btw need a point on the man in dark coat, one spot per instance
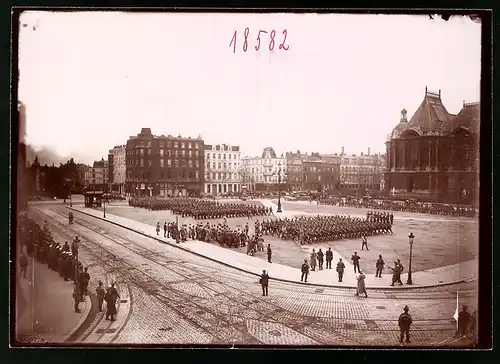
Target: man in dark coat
(269, 253)
(340, 269)
(463, 321)
(305, 271)
(165, 229)
(320, 259)
(264, 282)
(100, 292)
(110, 298)
(84, 281)
(355, 261)
(404, 323)
(379, 266)
(329, 258)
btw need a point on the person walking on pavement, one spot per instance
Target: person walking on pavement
(364, 242)
(404, 323)
(396, 273)
(77, 297)
(361, 287)
(463, 321)
(158, 228)
(329, 258)
(379, 266)
(110, 297)
(23, 263)
(313, 260)
(165, 229)
(264, 282)
(340, 269)
(269, 253)
(401, 268)
(84, 281)
(355, 261)
(305, 271)
(320, 259)
(100, 292)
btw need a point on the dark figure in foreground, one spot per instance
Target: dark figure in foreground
(111, 297)
(463, 322)
(340, 269)
(264, 282)
(404, 323)
(379, 266)
(355, 262)
(269, 253)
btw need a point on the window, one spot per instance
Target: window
(176, 153)
(213, 155)
(190, 153)
(162, 162)
(219, 156)
(162, 143)
(197, 163)
(196, 145)
(189, 145)
(142, 152)
(214, 175)
(224, 155)
(183, 145)
(183, 152)
(208, 165)
(161, 152)
(225, 166)
(213, 165)
(149, 162)
(219, 166)
(229, 156)
(169, 162)
(190, 163)
(196, 153)
(208, 155)
(176, 145)
(142, 162)
(197, 175)
(149, 151)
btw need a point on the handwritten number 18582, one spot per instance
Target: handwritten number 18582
(272, 41)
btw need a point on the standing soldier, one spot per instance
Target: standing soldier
(158, 228)
(84, 281)
(329, 258)
(463, 321)
(269, 253)
(320, 259)
(264, 282)
(355, 261)
(165, 229)
(313, 260)
(364, 242)
(401, 268)
(379, 266)
(340, 269)
(305, 271)
(404, 323)
(100, 295)
(110, 297)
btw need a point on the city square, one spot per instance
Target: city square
(197, 205)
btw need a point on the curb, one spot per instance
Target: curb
(272, 278)
(85, 316)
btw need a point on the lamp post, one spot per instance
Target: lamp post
(104, 204)
(410, 240)
(279, 188)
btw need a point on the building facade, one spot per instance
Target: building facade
(362, 172)
(435, 154)
(261, 173)
(117, 169)
(315, 172)
(164, 165)
(222, 169)
(97, 177)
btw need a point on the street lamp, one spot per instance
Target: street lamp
(279, 188)
(104, 204)
(410, 239)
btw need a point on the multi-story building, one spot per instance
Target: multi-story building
(261, 173)
(314, 172)
(117, 169)
(436, 154)
(361, 172)
(97, 177)
(222, 169)
(164, 165)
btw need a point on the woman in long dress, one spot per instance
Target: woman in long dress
(313, 260)
(361, 288)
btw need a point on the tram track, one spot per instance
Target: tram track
(146, 281)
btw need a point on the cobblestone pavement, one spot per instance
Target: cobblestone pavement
(177, 297)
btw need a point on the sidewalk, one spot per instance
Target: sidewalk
(434, 277)
(45, 312)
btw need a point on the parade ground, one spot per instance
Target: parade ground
(439, 240)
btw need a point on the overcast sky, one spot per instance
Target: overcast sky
(91, 80)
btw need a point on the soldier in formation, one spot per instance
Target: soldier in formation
(310, 230)
(201, 209)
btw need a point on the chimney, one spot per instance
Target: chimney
(342, 153)
(368, 150)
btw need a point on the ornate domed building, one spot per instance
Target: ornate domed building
(435, 154)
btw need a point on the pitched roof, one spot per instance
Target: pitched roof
(468, 118)
(431, 117)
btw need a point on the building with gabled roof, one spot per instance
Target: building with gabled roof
(436, 153)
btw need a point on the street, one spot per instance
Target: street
(179, 298)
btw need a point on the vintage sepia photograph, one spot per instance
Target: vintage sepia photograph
(246, 179)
